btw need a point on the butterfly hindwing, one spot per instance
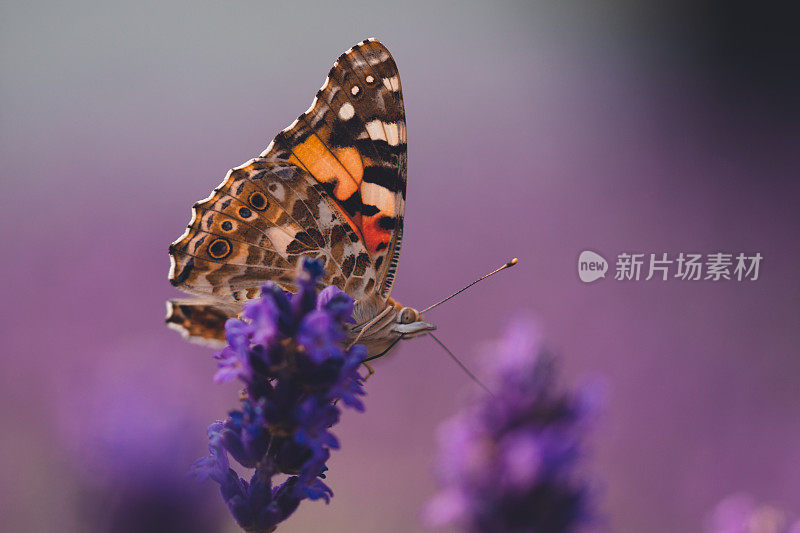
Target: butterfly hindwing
(255, 227)
(200, 319)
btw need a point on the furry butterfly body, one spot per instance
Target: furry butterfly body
(330, 186)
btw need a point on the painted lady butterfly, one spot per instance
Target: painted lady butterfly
(330, 186)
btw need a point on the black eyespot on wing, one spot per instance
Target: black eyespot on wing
(219, 248)
(227, 226)
(245, 213)
(258, 201)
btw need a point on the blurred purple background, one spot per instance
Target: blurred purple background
(534, 131)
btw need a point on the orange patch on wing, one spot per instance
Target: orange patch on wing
(355, 220)
(351, 160)
(374, 235)
(321, 163)
(343, 168)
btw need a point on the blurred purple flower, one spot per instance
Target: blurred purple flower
(739, 513)
(289, 352)
(123, 434)
(508, 463)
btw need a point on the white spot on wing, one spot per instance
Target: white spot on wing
(325, 213)
(281, 238)
(392, 134)
(346, 112)
(380, 197)
(279, 193)
(392, 84)
(370, 79)
(375, 130)
(357, 61)
(354, 90)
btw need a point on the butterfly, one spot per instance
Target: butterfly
(331, 186)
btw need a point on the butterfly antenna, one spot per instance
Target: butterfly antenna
(459, 363)
(493, 272)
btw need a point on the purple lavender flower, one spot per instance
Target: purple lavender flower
(508, 462)
(289, 352)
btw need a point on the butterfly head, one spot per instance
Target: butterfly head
(409, 323)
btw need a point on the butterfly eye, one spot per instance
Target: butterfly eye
(408, 315)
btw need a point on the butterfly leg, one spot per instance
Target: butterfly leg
(370, 370)
(368, 325)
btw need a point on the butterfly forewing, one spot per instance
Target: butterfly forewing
(353, 141)
(330, 186)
